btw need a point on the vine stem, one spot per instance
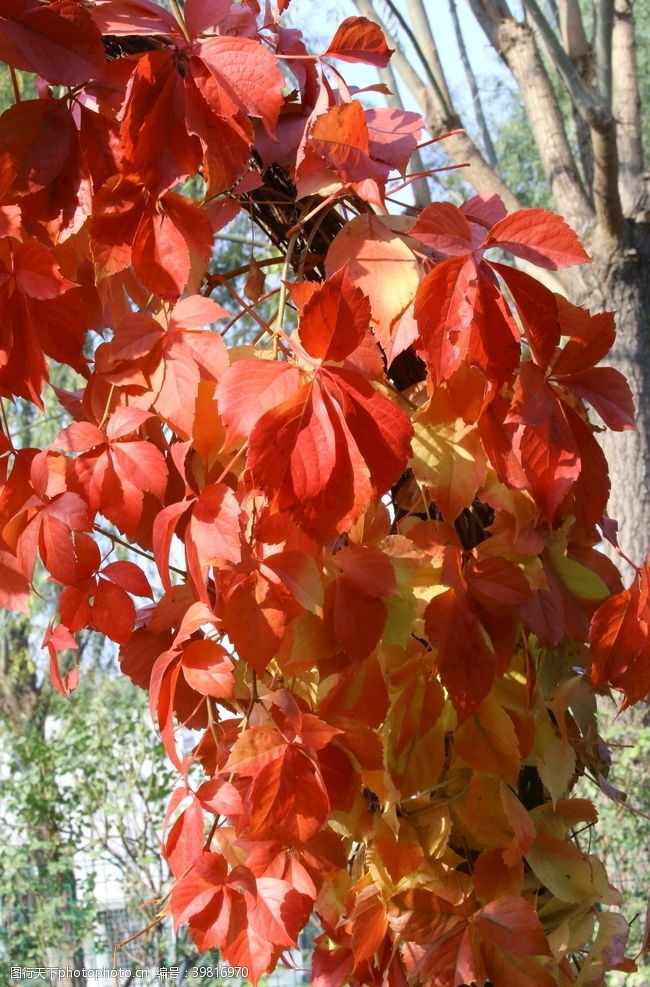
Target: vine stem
(314, 212)
(178, 14)
(232, 462)
(408, 179)
(133, 548)
(282, 300)
(216, 279)
(14, 83)
(247, 310)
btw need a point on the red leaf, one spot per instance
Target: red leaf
(335, 319)
(591, 338)
(444, 309)
(358, 619)
(380, 263)
(393, 135)
(292, 449)
(300, 574)
(465, 662)
(124, 421)
(59, 41)
(497, 584)
(248, 71)
(367, 569)
(37, 273)
(380, 429)
(214, 536)
(358, 39)
(58, 639)
(142, 465)
(195, 311)
(369, 923)
(485, 209)
(156, 105)
(171, 244)
(14, 587)
(50, 532)
(538, 309)
(512, 924)
(340, 137)
(287, 798)
(332, 967)
(539, 236)
(183, 841)
(255, 620)
(208, 669)
(113, 612)
(620, 643)
(129, 577)
(443, 227)
(280, 912)
(221, 797)
(199, 15)
(121, 17)
(164, 526)
(551, 460)
(606, 390)
(250, 388)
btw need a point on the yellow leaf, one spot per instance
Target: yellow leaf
(580, 581)
(380, 263)
(450, 460)
(568, 874)
(487, 742)
(555, 758)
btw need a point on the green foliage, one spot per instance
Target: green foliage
(81, 779)
(622, 838)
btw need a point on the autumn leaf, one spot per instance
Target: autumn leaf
(359, 40)
(58, 41)
(335, 319)
(540, 237)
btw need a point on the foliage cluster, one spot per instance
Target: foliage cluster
(380, 607)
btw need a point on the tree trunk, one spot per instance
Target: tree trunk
(625, 281)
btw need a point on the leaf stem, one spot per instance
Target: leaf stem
(178, 14)
(132, 548)
(14, 83)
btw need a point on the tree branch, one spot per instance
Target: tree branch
(572, 29)
(428, 70)
(488, 146)
(421, 195)
(515, 43)
(626, 106)
(422, 26)
(441, 117)
(579, 50)
(603, 46)
(607, 202)
(593, 112)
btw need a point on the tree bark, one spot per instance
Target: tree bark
(625, 280)
(626, 106)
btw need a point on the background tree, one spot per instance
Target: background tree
(582, 87)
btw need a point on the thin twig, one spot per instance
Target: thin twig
(14, 83)
(133, 548)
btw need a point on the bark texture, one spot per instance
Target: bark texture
(625, 281)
